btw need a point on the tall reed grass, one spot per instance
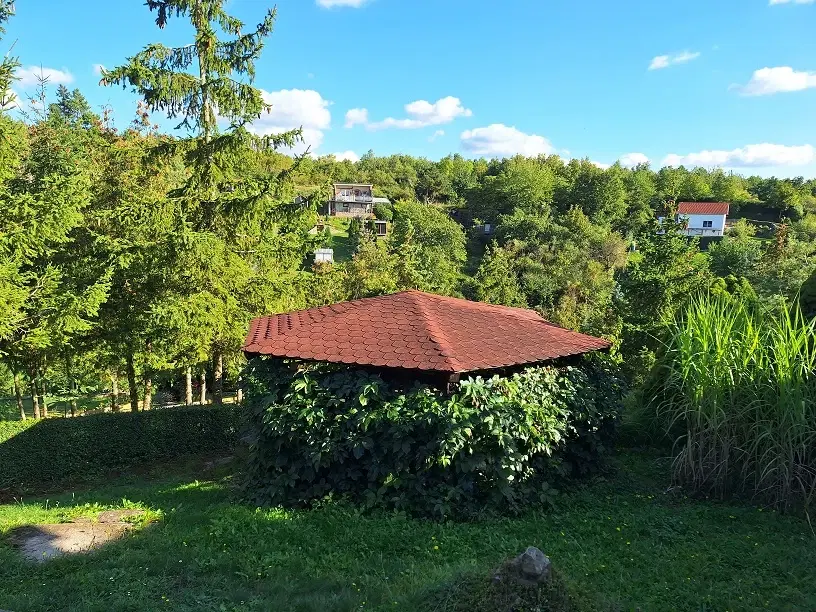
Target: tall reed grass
(738, 389)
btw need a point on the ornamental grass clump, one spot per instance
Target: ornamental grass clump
(738, 388)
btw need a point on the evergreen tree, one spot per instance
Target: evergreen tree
(234, 235)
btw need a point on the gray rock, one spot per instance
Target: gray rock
(532, 566)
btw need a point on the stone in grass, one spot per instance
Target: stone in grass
(530, 568)
(526, 583)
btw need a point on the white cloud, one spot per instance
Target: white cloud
(772, 2)
(436, 134)
(423, 113)
(630, 160)
(501, 140)
(356, 116)
(600, 165)
(295, 108)
(347, 155)
(664, 61)
(98, 68)
(30, 77)
(767, 81)
(750, 156)
(334, 3)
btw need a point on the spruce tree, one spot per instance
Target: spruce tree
(234, 236)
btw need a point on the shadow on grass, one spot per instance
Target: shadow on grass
(621, 538)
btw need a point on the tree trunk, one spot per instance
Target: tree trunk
(18, 394)
(203, 386)
(35, 402)
(43, 394)
(114, 405)
(148, 393)
(72, 387)
(218, 379)
(239, 396)
(188, 386)
(134, 390)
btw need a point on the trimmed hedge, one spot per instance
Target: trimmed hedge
(53, 450)
(500, 444)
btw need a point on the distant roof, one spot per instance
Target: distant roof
(353, 185)
(418, 331)
(381, 200)
(703, 208)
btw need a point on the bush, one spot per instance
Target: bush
(497, 444)
(384, 212)
(736, 389)
(53, 450)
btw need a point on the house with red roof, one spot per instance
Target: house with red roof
(703, 218)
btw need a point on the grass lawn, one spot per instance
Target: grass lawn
(623, 539)
(340, 239)
(10, 412)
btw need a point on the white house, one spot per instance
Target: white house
(703, 218)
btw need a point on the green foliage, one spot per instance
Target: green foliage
(384, 212)
(497, 444)
(668, 270)
(807, 297)
(738, 387)
(55, 450)
(440, 245)
(497, 279)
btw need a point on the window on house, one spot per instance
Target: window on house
(708, 223)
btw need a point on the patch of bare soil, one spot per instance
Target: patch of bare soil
(40, 543)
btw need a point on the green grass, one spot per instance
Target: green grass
(341, 243)
(10, 412)
(623, 540)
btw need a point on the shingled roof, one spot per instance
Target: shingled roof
(703, 208)
(418, 331)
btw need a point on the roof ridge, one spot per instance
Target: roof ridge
(435, 333)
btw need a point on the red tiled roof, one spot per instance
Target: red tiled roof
(703, 208)
(416, 330)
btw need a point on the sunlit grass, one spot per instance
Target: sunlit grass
(625, 540)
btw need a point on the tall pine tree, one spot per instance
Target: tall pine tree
(236, 240)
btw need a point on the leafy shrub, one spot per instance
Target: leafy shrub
(52, 450)
(736, 389)
(383, 211)
(496, 444)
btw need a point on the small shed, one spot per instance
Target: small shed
(324, 256)
(420, 334)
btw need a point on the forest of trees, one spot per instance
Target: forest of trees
(133, 260)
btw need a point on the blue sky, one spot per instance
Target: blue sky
(729, 83)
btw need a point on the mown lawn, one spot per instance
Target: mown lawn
(624, 540)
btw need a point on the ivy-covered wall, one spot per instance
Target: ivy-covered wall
(497, 444)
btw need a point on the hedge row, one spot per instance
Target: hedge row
(53, 450)
(499, 444)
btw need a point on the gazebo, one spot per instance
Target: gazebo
(418, 334)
